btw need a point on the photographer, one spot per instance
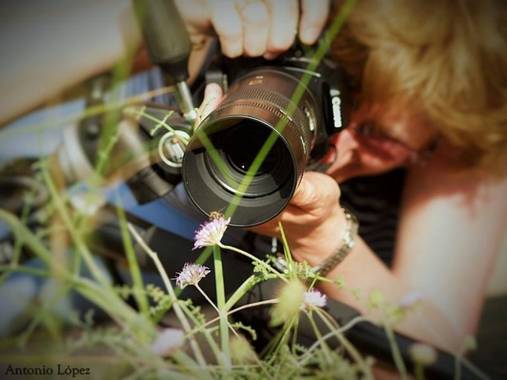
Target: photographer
(433, 101)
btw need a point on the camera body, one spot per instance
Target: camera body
(286, 108)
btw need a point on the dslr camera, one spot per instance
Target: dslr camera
(292, 103)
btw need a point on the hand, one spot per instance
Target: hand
(313, 221)
(254, 27)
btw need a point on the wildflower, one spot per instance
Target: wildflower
(314, 298)
(167, 341)
(290, 299)
(423, 354)
(410, 299)
(191, 274)
(211, 232)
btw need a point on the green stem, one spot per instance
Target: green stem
(250, 305)
(80, 245)
(329, 335)
(161, 123)
(477, 372)
(286, 248)
(135, 271)
(110, 127)
(254, 304)
(255, 259)
(284, 333)
(18, 244)
(241, 291)
(346, 344)
(321, 341)
(419, 371)
(105, 298)
(167, 282)
(199, 327)
(224, 328)
(116, 308)
(6, 269)
(457, 367)
(215, 307)
(207, 298)
(398, 360)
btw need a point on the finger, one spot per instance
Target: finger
(255, 28)
(284, 15)
(195, 15)
(212, 98)
(316, 192)
(228, 25)
(313, 18)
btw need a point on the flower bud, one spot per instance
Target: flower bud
(290, 299)
(423, 354)
(241, 351)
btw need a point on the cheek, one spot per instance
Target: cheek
(373, 163)
(354, 159)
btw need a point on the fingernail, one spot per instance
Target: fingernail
(233, 50)
(309, 35)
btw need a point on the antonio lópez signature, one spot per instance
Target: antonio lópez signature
(44, 370)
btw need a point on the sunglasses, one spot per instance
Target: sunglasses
(369, 129)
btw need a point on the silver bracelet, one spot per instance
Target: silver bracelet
(348, 242)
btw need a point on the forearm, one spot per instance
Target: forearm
(54, 45)
(363, 273)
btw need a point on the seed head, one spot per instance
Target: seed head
(191, 274)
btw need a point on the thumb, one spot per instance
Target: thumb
(316, 191)
(212, 97)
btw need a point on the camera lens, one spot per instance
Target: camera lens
(254, 111)
(237, 144)
(241, 156)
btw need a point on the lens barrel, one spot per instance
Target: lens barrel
(257, 105)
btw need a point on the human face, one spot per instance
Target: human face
(379, 139)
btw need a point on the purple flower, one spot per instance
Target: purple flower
(211, 232)
(191, 274)
(314, 298)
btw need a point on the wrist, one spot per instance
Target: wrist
(322, 241)
(348, 241)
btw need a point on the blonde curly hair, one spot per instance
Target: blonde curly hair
(447, 58)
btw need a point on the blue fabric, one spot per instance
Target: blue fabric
(158, 212)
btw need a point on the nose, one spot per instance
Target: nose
(346, 140)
